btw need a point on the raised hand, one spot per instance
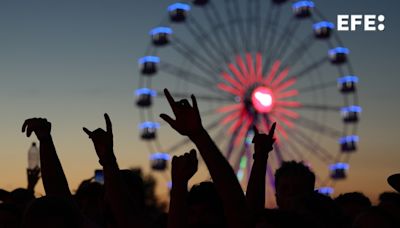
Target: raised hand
(103, 141)
(53, 177)
(184, 167)
(33, 177)
(123, 207)
(188, 121)
(263, 144)
(40, 126)
(255, 193)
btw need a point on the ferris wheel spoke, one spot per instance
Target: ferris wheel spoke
(247, 124)
(299, 51)
(313, 66)
(232, 21)
(309, 148)
(220, 136)
(265, 33)
(210, 112)
(278, 153)
(197, 60)
(257, 22)
(272, 38)
(217, 48)
(321, 128)
(249, 164)
(179, 71)
(158, 145)
(249, 24)
(199, 97)
(231, 144)
(236, 164)
(212, 52)
(194, 61)
(150, 147)
(172, 149)
(317, 148)
(219, 24)
(317, 87)
(287, 43)
(241, 24)
(294, 150)
(320, 107)
(283, 37)
(189, 77)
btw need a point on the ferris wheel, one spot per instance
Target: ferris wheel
(253, 63)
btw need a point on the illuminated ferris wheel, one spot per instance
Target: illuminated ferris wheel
(253, 63)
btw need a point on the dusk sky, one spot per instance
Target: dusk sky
(72, 61)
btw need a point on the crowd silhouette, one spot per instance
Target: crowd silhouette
(126, 199)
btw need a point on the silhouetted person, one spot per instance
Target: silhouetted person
(51, 211)
(276, 218)
(255, 194)
(183, 168)
(188, 123)
(321, 211)
(390, 202)
(294, 184)
(15, 202)
(352, 204)
(90, 199)
(53, 177)
(125, 206)
(205, 206)
(33, 176)
(375, 217)
(201, 207)
(10, 216)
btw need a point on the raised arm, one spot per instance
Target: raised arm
(33, 177)
(255, 194)
(183, 168)
(54, 180)
(121, 203)
(188, 123)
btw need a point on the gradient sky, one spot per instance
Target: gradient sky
(71, 61)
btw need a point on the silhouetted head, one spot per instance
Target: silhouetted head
(21, 197)
(90, 199)
(293, 183)
(390, 202)
(352, 204)
(4, 195)
(322, 211)
(274, 218)
(392, 198)
(134, 183)
(205, 206)
(51, 212)
(10, 215)
(375, 217)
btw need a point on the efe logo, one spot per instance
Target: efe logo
(356, 22)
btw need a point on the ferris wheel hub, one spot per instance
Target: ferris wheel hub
(262, 99)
